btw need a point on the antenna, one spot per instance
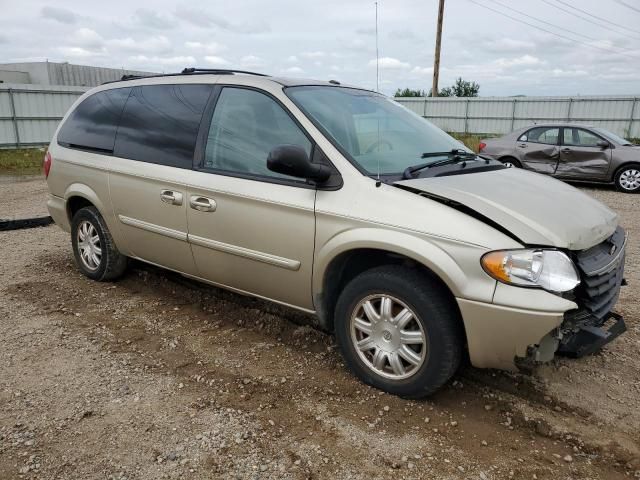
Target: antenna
(377, 55)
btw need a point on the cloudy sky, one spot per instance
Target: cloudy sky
(335, 39)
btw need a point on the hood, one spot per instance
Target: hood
(536, 209)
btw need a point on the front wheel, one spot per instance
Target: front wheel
(510, 162)
(399, 331)
(627, 179)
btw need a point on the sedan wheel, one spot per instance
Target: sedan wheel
(387, 336)
(628, 179)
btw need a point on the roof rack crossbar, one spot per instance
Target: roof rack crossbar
(227, 71)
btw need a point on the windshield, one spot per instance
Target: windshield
(612, 136)
(377, 133)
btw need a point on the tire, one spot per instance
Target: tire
(102, 262)
(436, 320)
(511, 162)
(627, 179)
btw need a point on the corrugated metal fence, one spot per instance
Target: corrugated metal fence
(499, 115)
(29, 114)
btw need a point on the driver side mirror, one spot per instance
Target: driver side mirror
(603, 144)
(293, 160)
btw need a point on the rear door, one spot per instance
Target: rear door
(153, 153)
(538, 149)
(251, 229)
(581, 157)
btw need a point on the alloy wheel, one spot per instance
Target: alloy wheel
(630, 179)
(89, 245)
(388, 336)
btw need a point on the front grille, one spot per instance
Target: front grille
(601, 270)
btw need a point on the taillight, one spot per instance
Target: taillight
(481, 146)
(47, 164)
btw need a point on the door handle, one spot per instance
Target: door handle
(566, 150)
(523, 145)
(203, 204)
(171, 197)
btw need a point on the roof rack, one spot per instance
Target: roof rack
(189, 71)
(223, 71)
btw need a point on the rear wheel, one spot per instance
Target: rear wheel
(510, 162)
(627, 179)
(399, 331)
(93, 247)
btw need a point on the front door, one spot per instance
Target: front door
(251, 229)
(537, 149)
(581, 157)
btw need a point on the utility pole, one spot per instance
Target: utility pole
(436, 59)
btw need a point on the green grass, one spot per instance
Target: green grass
(21, 161)
(471, 141)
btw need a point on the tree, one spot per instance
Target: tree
(408, 92)
(461, 88)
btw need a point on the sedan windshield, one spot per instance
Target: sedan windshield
(612, 136)
(376, 133)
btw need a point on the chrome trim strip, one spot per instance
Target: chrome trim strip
(152, 227)
(613, 263)
(245, 252)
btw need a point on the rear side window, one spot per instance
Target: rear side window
(547, 135)
(93, 124)
(160, 124)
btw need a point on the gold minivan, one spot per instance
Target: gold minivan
(339, 202)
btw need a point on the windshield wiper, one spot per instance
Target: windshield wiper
(453, 156)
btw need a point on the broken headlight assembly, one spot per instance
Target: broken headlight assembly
(551, 270)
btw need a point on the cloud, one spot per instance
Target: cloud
(293, 70)
(154, 44)
(316, 54)
(524, 60)
(292, 59)
(508, 45)
(201, 18)
(77, 52)
(58, 14)
(422, 70)
(154, 61)
(152, 19)
(366, 31)
(252, 61)
(86, 37)
(390, 63)
(217, 61)
(211, 47)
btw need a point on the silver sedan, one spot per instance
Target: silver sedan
(570, 152)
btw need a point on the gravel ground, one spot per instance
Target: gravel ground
(155, 377)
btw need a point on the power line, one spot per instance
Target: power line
(544, 21)
(549, 31)
(627, 5)
(586, 19)
(595, 16)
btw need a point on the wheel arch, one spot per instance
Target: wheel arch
(355, 251)
(79, 195)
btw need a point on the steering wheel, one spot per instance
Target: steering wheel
(378, 144)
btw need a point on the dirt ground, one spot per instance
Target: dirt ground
(157, 377)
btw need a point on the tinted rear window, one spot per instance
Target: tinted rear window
(160, 124)
(93, 124)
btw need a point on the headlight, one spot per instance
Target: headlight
(548, 269)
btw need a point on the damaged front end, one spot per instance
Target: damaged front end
(594, 324)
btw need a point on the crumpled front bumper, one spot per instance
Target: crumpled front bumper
(584, 334)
